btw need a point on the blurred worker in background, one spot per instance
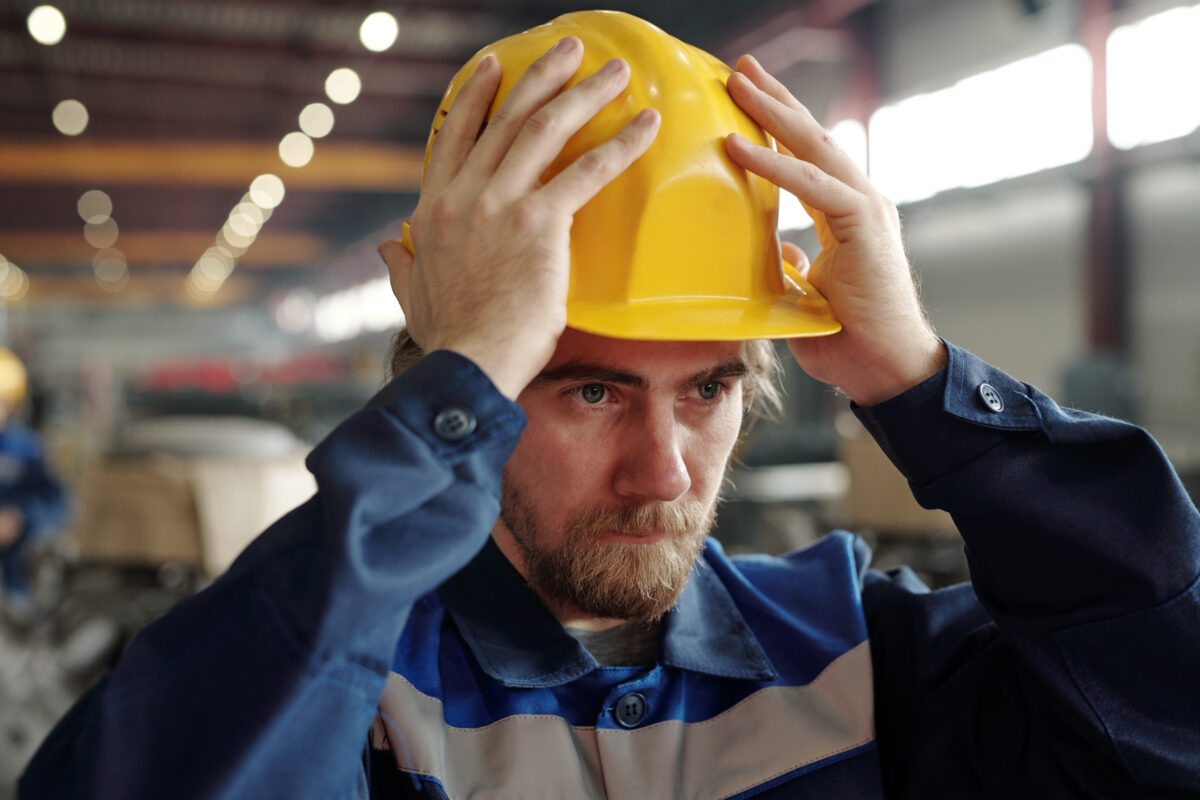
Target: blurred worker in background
(503, 586)
(32, 502)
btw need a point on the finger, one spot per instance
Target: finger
(585, 176)
(400, 266)
(795, 128)
(793, 255)
(748, 66)
(540, 84)
(452, 142)
(547, 130)
(811, 184)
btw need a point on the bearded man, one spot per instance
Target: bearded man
(503, 588)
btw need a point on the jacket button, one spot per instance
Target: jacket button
(990, 397)
(631, 710)
(454, 423)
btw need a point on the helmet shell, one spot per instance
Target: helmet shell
(683, 244)
(12, 379)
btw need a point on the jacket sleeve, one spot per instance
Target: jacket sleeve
(264, 684)
(1068, 668)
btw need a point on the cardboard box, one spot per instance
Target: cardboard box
(877, 495)
(198, 511)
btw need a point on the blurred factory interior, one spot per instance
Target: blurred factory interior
(191, 194)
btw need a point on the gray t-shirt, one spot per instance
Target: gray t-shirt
(632, 644)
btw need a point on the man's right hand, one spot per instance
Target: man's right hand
(492, 242)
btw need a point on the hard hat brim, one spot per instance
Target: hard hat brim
(800, 312)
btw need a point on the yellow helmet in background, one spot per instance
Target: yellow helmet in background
(683, 244)
(12, 379)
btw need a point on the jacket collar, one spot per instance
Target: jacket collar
(518, 642)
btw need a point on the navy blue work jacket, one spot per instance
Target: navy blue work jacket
(372, 643)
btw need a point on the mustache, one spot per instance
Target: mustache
(671, 518)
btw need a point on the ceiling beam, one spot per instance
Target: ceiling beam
(140, 290)
(150, 248)
(335, 166)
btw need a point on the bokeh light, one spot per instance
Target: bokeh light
(101, 234)
(70, 117)
(14, 283)
(378, 31)
(316, 120)
(266, 191)
(343, 85)
(109, 264)
(94, 206)
(295, 149)
(247, 219)
(47, 25)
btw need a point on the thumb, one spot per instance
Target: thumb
(400, 266)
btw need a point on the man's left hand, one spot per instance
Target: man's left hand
(886, 345)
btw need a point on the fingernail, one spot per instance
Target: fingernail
(566, 45)
(645, 117)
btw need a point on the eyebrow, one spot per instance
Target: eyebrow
(571, 371)
(586, 371)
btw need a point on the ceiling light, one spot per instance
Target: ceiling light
(343, 85)
(266, 191)
(316, 120)
(296, 149)
(47, 25)
(101, 234)
(94, 206)
(70, 117)
(378, 31)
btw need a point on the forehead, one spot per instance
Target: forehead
(657, 362)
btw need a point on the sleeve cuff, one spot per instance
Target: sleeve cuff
(451, 405)
(952, 418)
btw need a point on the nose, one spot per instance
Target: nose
(652, 467)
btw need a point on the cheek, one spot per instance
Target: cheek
(710, 450)
(560, 465)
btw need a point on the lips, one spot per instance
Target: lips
(638, 537)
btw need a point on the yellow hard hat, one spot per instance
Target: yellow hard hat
(683, 244)
(12, 379)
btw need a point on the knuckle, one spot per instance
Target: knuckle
(442, 211)
(501, 118)
(884, 207)
(541, 122)
(593, 162)
(487, 205)
(541, 66)
(527, 217)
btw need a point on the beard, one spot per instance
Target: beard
(609, 579)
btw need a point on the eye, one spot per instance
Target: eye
(709, 391)
(592, 393)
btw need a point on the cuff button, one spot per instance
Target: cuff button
(990, 397)
(454, 424)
